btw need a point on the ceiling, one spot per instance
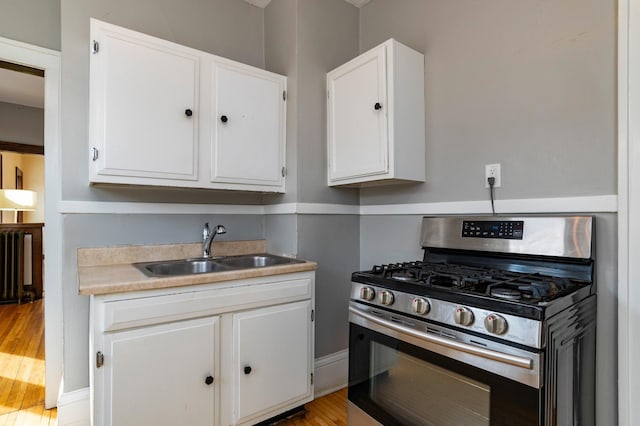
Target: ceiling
(20, 88)
(264, 3)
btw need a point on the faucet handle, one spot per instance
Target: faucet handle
(206, 231)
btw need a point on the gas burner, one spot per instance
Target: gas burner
(443, 280)
(505, 293)
(403, 275)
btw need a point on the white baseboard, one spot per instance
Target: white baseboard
(73, 408)
(331, 373)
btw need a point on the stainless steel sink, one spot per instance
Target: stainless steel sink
(203, 266)
(180, 267)
(256, 261)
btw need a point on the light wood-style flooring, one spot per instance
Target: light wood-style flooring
(330, 410)
(22, 366)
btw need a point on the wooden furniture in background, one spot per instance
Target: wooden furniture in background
(35, 229)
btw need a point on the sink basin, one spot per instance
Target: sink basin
(180, 267)
(256, 261)
(169, 268)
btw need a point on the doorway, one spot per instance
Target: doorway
(22, 347)
(48, 62)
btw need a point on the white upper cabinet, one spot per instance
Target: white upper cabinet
(168, 115)
(248, 137)
(375, 118)
(144, 107)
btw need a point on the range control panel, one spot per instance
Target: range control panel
(504, 229)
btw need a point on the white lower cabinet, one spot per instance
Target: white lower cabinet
(232, 353)
(162, 375)
(271, 359)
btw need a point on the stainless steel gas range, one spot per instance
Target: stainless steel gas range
(494, 326)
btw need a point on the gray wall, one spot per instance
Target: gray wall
(281, 233)
(108, 230)
(21, 124)
(333, 242)
(281, 47)
(229, 28)
(528, 84)
(31, 21)
(305, 39)
(327, 37)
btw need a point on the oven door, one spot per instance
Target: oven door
(408, 372)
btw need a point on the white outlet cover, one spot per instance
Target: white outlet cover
(489, 170)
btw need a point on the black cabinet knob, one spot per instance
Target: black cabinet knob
(224, 118)
(208, 380)
(247, 369)
(377, 106)
(188, 112)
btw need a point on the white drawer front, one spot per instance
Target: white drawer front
(141, 311)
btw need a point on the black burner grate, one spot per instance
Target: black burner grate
(491, 282)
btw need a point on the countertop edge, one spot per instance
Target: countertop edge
(126, 278)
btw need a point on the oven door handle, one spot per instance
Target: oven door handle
(517, 361)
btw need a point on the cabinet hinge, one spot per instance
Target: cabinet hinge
(95, 46)
(99, 359)
(311, 378)
(284, 95)
(313, 315)
(284, 171)
(328, 97)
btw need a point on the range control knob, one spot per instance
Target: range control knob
(495, 324)
(386, 297)
(367, 293)
(420, 306)
(463, 316)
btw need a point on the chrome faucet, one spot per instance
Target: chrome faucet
(208, 236)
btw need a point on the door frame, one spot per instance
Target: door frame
(629, 208)
(49, 61)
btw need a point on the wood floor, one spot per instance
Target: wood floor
(326, 411)
(22, 366)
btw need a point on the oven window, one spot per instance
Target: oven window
(417, 392)
(398, 384)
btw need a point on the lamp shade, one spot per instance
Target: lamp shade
(17, 199)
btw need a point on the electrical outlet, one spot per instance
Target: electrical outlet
(492, 170)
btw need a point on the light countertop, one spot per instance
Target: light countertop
(110, 269)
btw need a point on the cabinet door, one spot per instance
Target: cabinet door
(272, 359)
(357, 117)
(143, 107)
(157, 375)
(248, 145)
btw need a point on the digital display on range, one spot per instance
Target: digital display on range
(504, 229)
